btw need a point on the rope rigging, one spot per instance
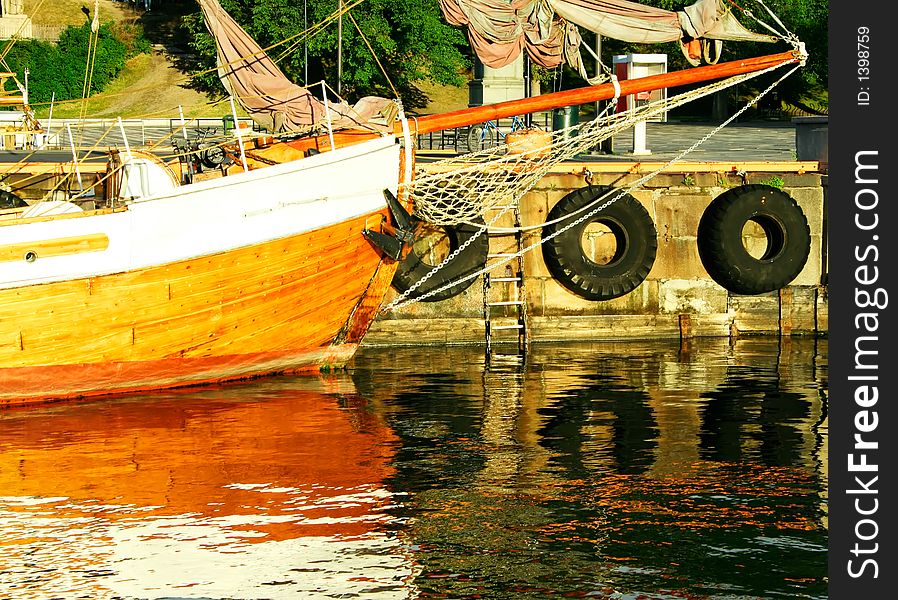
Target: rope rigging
(510, 176)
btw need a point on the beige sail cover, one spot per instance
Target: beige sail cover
(499, 30)
(262, 89)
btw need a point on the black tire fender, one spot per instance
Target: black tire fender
(635, 237)
(413, 267)
(721, 247)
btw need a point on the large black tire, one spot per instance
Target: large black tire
(635, 237)
(470, 260)
(723, 252)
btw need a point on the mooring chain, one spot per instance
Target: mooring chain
(446, 261)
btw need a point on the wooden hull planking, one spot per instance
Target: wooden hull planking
(265, 306)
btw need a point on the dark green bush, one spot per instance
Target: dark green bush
(60, 68)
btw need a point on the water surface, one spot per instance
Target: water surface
(614, 470)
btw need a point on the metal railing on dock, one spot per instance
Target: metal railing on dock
(457, 139)
(140, 132)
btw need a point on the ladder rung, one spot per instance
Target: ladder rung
(492, 279)
(507, 303)
(505, 345)
(497, 327)
(501, 255)
(506, 358)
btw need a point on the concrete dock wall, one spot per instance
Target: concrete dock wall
(677, 299)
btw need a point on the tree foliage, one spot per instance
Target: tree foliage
(61, 68)
(805, 18)
(410, 38)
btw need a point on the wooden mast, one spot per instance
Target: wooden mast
(480, 114)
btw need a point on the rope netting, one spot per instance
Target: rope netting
(461, 189)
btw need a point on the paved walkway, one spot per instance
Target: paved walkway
(735, 142)
(756, 141)
(761, 141)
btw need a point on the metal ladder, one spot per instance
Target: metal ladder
(513, 300)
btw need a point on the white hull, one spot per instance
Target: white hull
(211, 216)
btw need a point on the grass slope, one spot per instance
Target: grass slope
(150, 85)
(68, 12)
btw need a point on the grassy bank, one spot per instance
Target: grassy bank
(68, 12)
(148, 87)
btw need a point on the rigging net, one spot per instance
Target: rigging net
(461, 189)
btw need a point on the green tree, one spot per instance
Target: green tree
(805, 18)
(809, 20)
(411, 39)
(59, 69)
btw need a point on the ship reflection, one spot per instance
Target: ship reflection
(615, 470)
(272, 489)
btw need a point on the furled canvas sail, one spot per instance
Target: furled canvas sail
(499, 30)
(262, 89)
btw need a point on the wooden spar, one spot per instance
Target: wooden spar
(481, 114)
(8, 98)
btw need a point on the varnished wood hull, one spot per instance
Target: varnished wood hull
(258, 285)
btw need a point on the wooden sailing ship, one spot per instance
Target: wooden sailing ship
(278, 267)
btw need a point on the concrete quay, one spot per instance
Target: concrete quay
(678, 298)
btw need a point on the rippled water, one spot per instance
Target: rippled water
(627, 470)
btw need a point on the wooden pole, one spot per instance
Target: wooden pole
(502, 110)
(340, 49)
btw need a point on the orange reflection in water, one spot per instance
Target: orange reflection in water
(215, 490)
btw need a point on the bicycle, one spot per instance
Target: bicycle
(486, 135)
(198, 152)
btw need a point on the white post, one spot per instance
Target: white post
(239, 134)
(327, 113)
(75, 157)
(50, 117)
(121, 127)
(639, 139)
(183, 122)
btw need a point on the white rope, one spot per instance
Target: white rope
(603, 73)
(784, 34)
(403, 299)
(407, 143)
(788, 34)
(616, 85)
(460, 189)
